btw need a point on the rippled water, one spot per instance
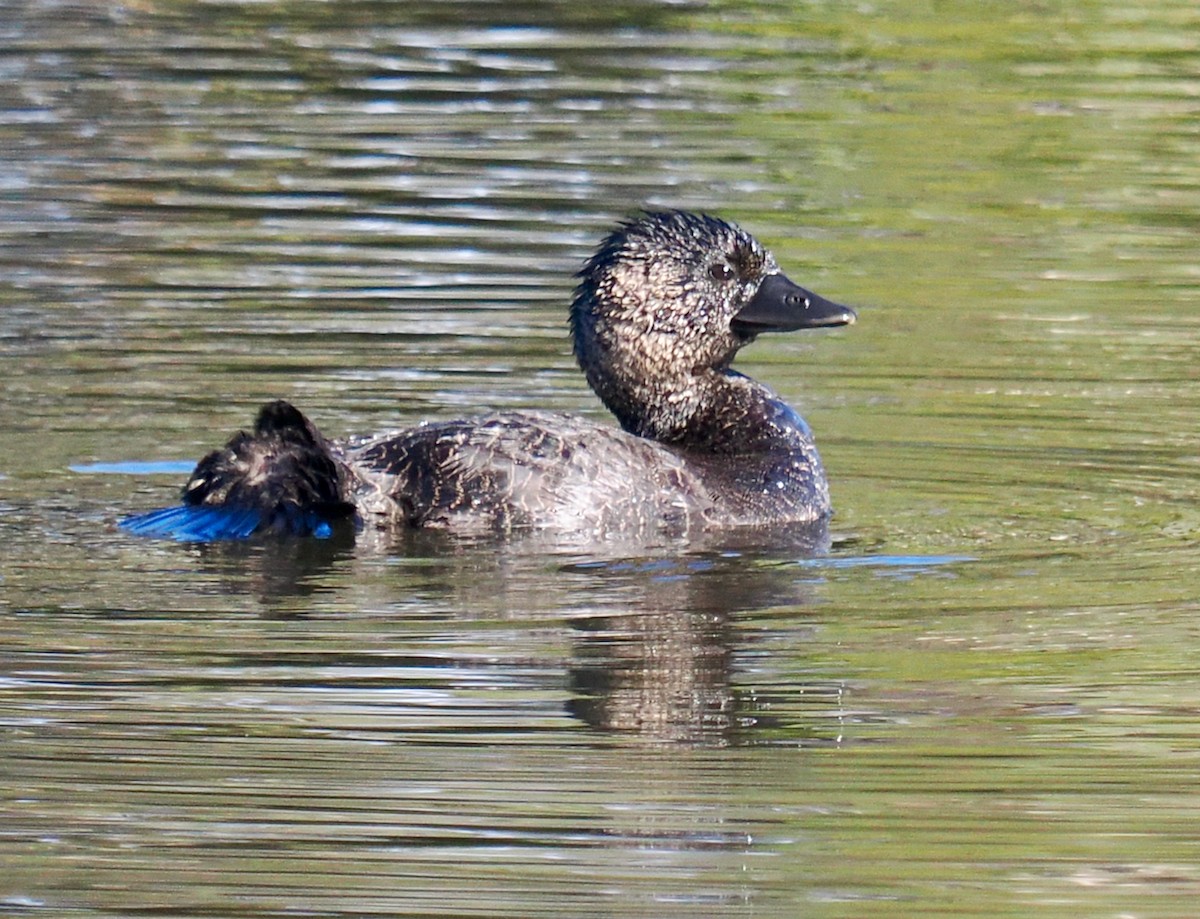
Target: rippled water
(984, 702)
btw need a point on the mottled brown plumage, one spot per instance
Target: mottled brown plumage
(660, 311)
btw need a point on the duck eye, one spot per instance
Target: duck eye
(720, 271)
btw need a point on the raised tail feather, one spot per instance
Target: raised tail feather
(283, 478)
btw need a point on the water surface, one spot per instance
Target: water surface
(983, 702)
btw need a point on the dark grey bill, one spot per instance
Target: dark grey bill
(782, 306)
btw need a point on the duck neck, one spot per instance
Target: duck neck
(719, 411)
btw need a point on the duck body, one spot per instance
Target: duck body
(661, 309)
(541, 470)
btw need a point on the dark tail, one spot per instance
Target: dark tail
(283, 478)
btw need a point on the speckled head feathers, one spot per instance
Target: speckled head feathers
(671, 271)
(655, 308)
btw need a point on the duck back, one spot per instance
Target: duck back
(527, 470)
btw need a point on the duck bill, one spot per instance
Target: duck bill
(781, 306)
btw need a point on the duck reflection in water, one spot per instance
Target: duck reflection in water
(664, 645)
(664, 656)
(662, 308)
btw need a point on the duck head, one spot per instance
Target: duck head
(663, 306)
